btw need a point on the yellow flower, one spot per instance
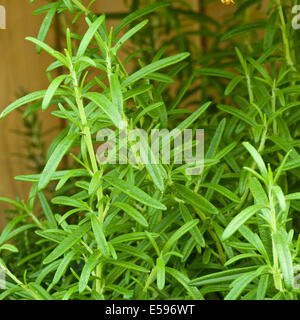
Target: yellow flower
(228, 2)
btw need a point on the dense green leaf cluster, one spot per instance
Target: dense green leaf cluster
(150, 231)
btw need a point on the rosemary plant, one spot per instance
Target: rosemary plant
(123, 230)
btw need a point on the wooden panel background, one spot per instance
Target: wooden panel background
(23, 69)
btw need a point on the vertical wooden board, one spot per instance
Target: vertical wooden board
(22, 69)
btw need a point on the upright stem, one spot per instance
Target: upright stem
(276, 269)
(86, 129)
(203, 38)
(249, 87)
(273, 102)
(90, 148)
(286, 44)
(59, 47)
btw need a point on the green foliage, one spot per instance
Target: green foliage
(125, 231)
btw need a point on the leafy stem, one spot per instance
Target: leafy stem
(285, 38)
